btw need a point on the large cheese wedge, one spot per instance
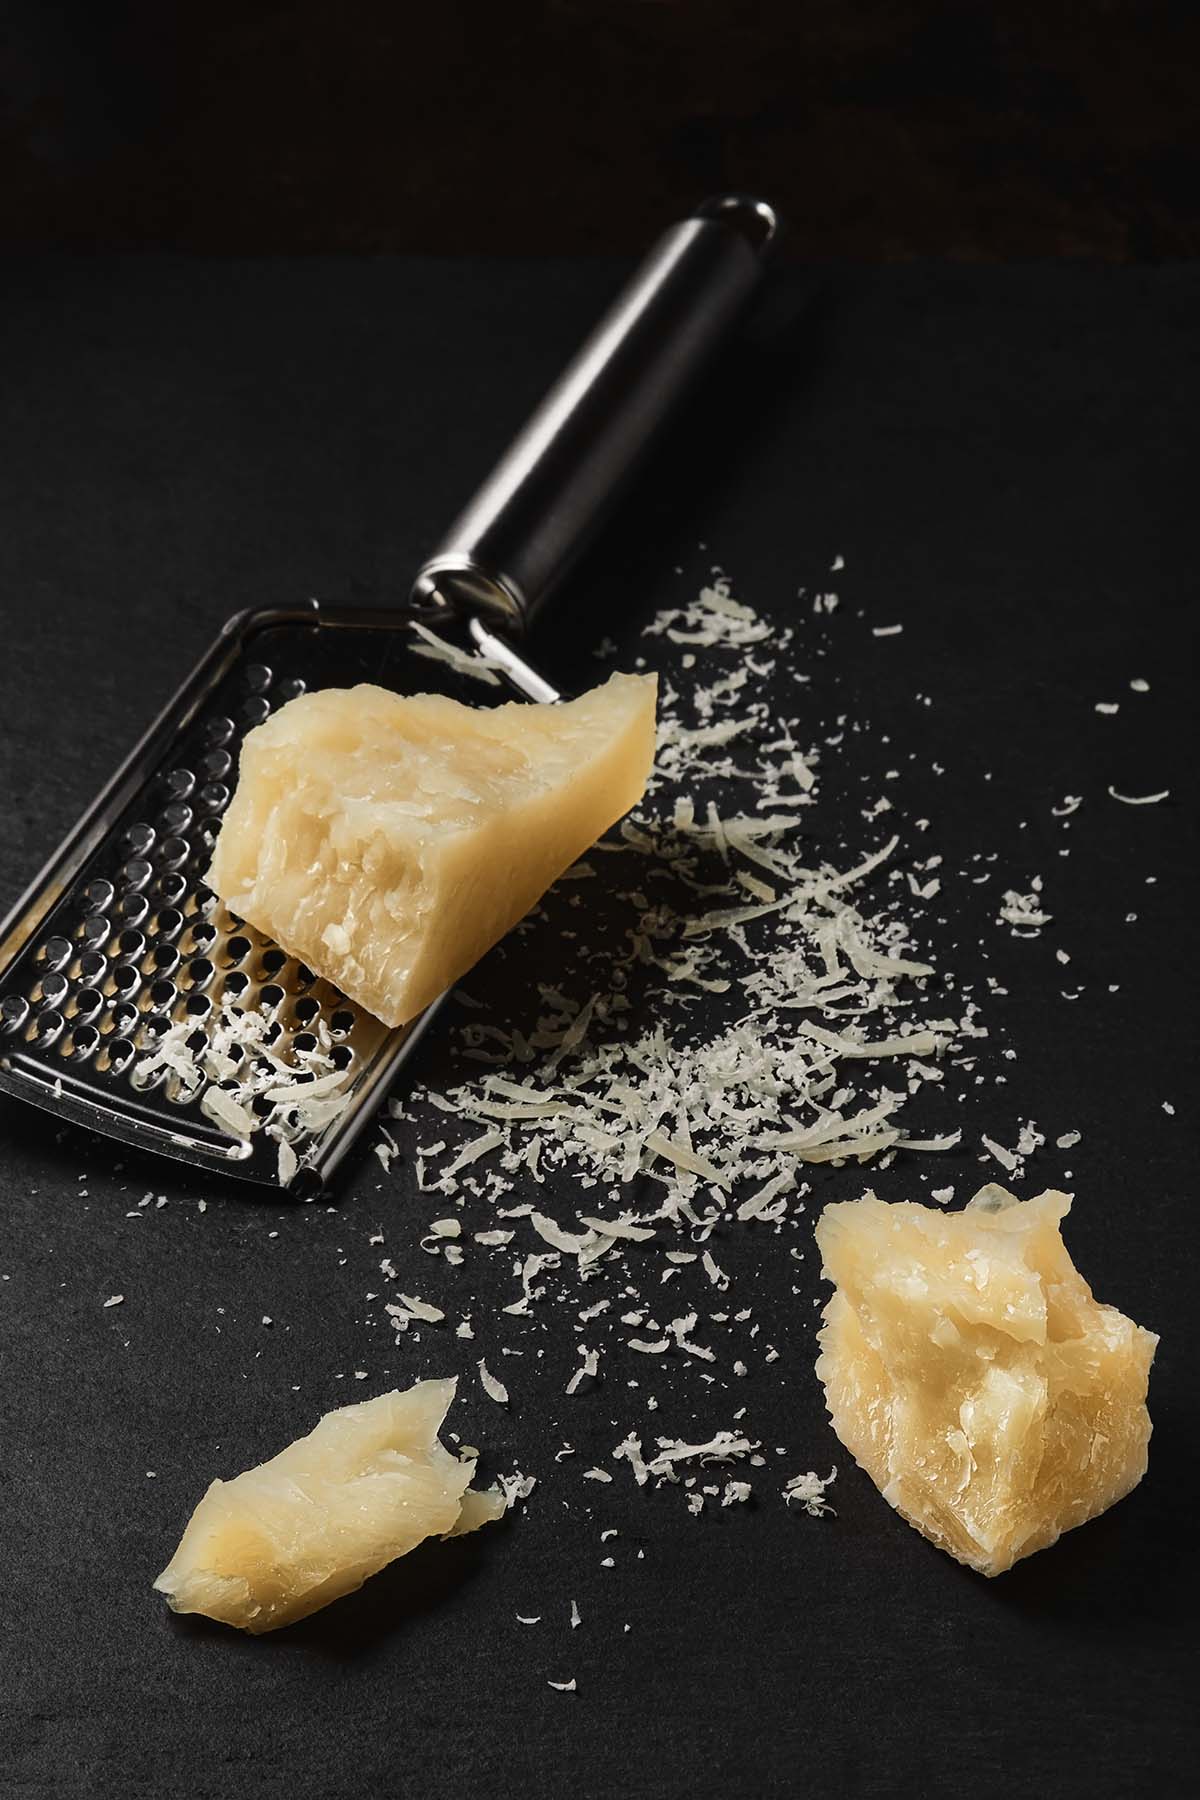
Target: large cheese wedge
(967, 1367)
(364, 1487)
(389, 841)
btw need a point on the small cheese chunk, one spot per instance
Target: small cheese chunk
(367, 1485)
(966, 1366)
(388, 841)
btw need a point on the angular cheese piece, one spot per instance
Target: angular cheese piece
(967, 1367)
(388, 841)
(368, 1484)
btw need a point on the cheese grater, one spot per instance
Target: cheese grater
(132, 1001)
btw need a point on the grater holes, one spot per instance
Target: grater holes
(88, 1003)
(124, 1017)
(179, 783)
(126, 980)
(198, 973)
(112, 1055)
(97, 896)
(54, 989)
(82, 1043)
(199, 940)
(214, 796)
(134, 874)
(95, 930)
(14, 1010)
(170, 888)
(145, 947)
(132, 909)
(162, 961)
(45, 1027)
(174, 852)
(215, 765)
(155, 1026)
(137, 840)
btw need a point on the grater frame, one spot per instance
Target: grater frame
(52, 1032)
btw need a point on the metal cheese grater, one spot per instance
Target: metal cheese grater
(117, 948)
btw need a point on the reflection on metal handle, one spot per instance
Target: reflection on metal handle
(507, 551)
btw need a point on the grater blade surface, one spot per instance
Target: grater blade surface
(119, 952)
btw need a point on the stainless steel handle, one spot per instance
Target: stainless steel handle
(507, 551)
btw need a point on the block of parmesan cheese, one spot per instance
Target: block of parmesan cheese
(388, 841)
(368, 1484)
(967, 1367)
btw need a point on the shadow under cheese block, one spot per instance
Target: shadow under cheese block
(368, 1484)
(388, 841)
(967, 1368)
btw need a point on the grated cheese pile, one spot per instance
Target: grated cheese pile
(829, 1026)
(244, 1086)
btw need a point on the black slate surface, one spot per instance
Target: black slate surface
(1006, 460)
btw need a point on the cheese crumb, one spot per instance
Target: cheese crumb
(495, 1390)
(1141, 799)
(808, 1491)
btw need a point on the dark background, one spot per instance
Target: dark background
(1005, 456)
(889, 129)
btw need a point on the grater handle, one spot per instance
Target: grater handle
(510, 547)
